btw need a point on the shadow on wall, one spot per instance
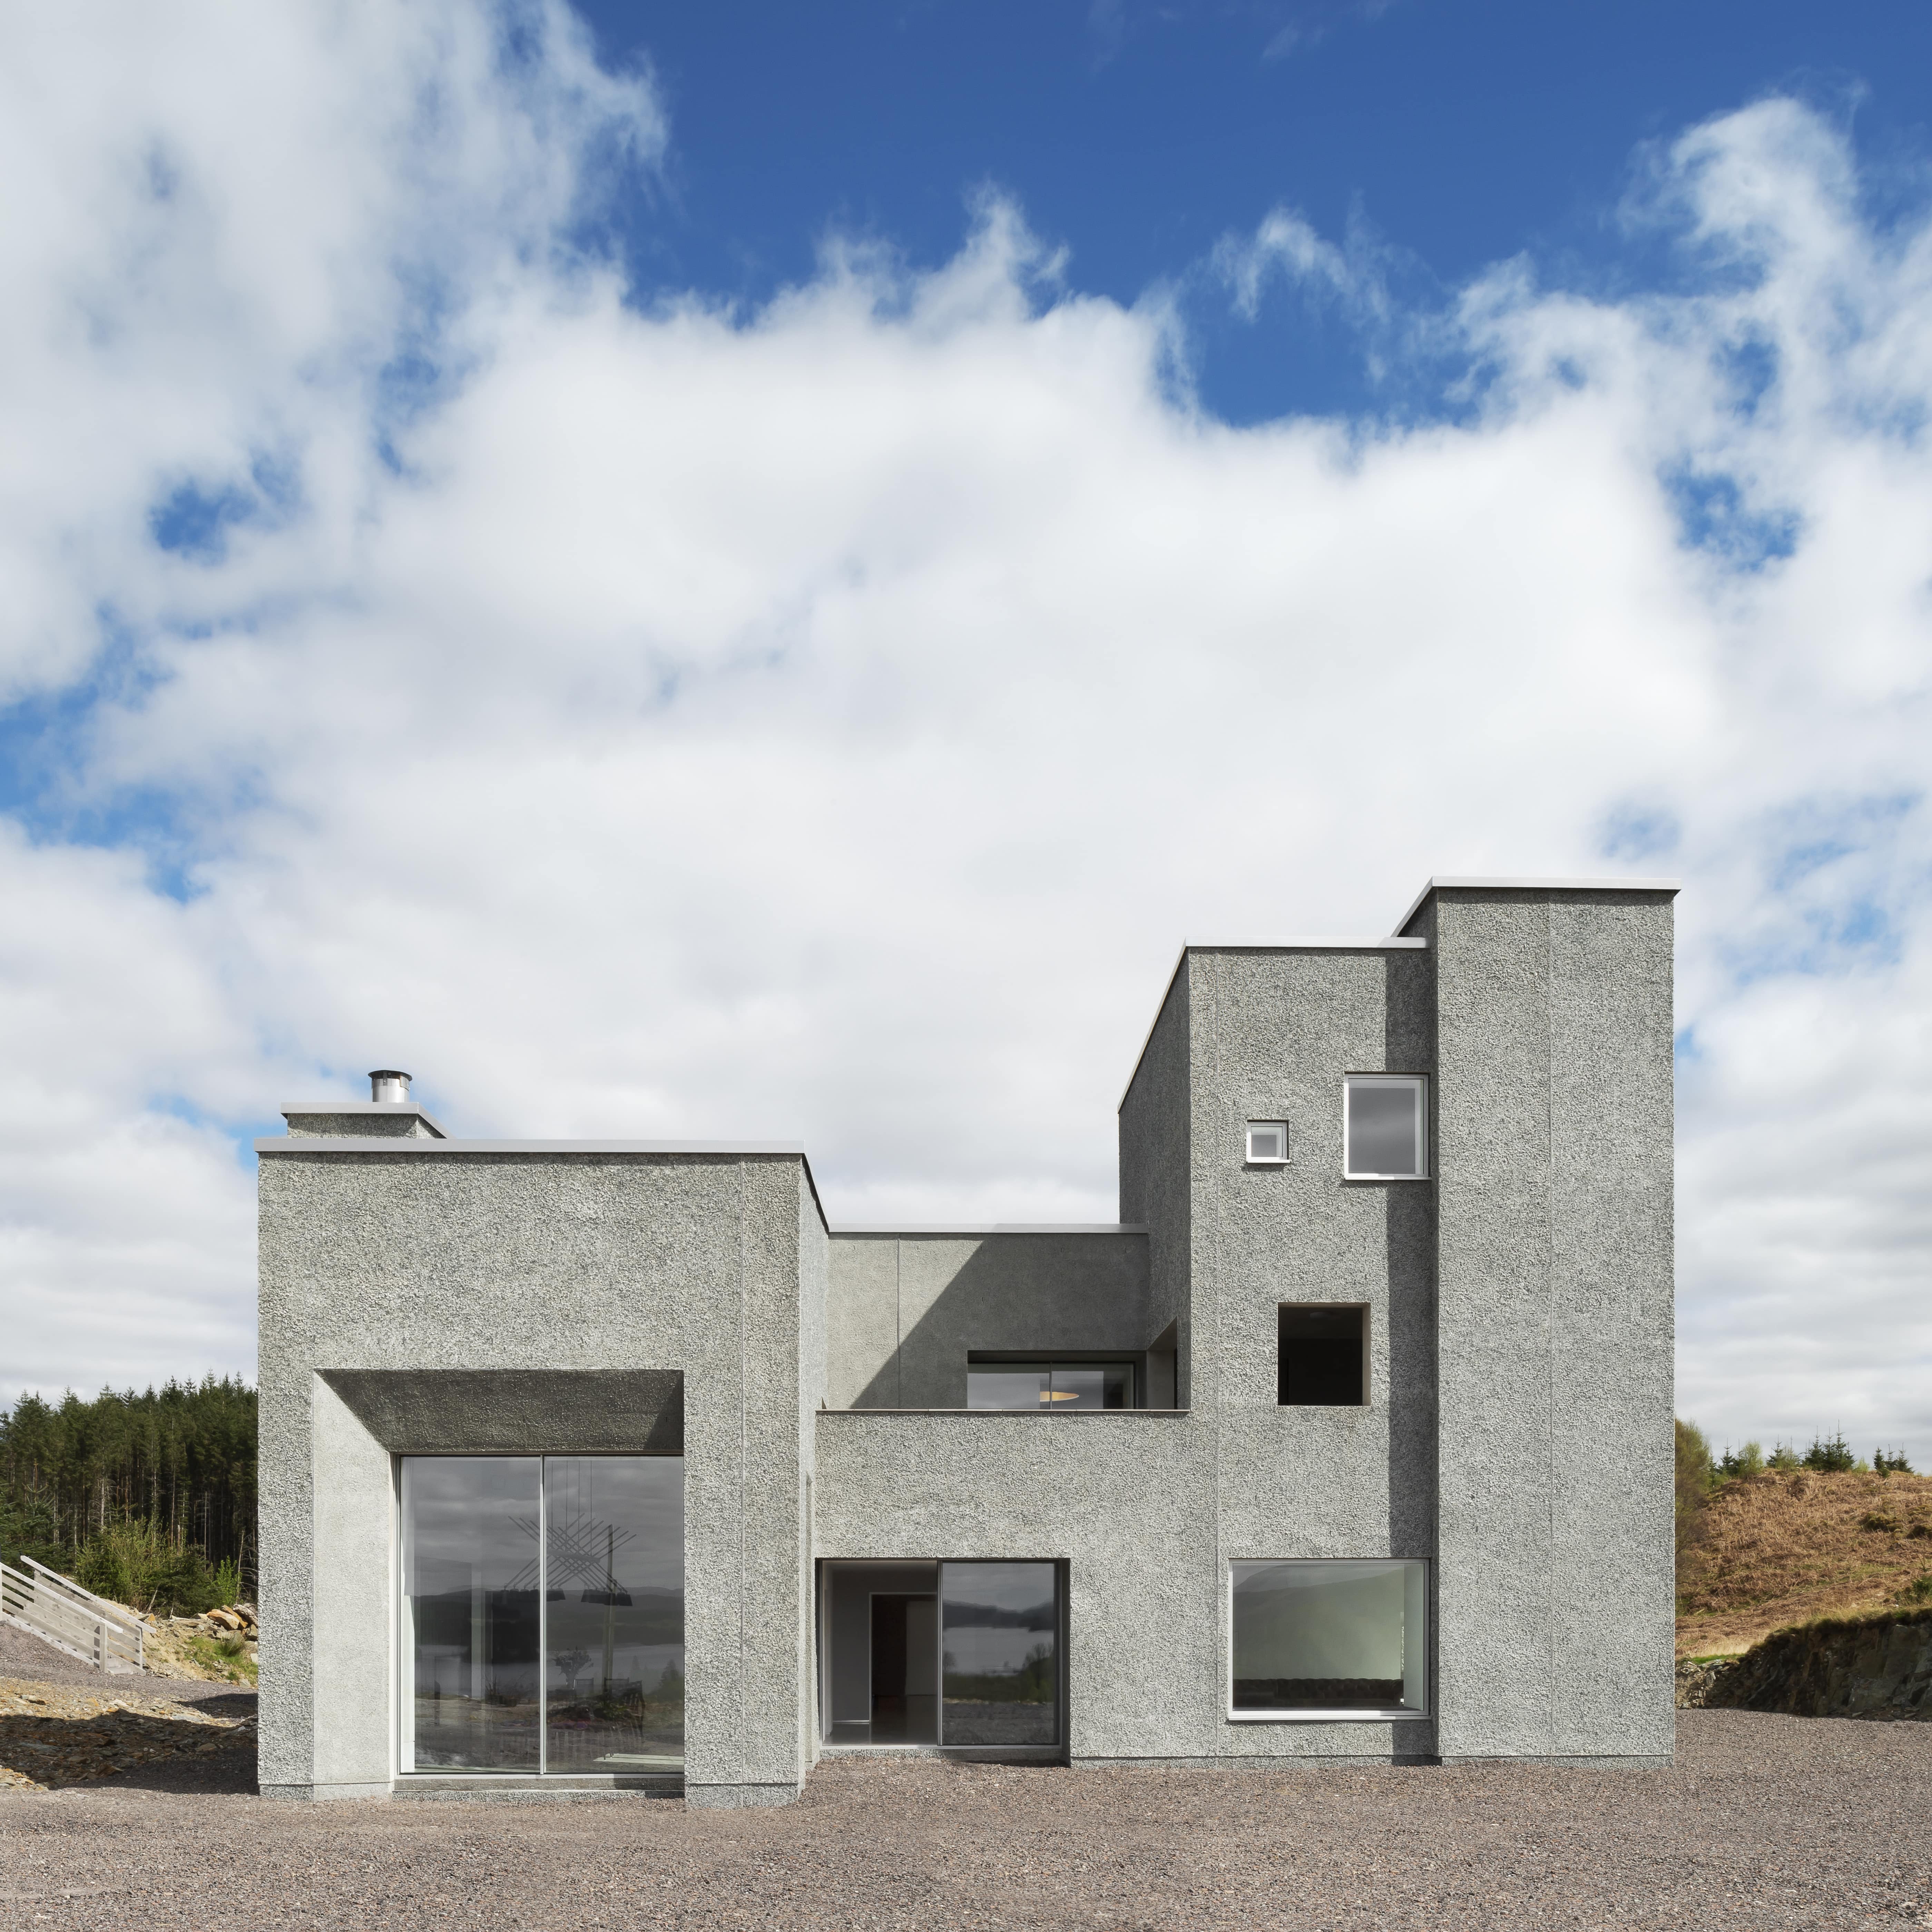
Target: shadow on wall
(1075, 1293)
(1408, 1035)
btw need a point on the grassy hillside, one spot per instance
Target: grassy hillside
(1787, 1546)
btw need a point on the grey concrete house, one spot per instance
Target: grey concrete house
(590, 1464)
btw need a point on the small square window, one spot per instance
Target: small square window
(1321, 1355)
(1384, 1127)
(1267, 1143)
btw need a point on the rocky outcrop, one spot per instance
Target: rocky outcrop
(1877, 1667)
(1695, 1677)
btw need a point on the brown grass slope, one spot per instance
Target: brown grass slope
(1787, 1547)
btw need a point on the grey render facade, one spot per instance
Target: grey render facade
(423, 1296)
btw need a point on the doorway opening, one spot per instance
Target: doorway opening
(950, 1654)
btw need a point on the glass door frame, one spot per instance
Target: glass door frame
(821, 1675)
(403, 1678)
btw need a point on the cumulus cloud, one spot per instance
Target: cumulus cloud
(650, 717)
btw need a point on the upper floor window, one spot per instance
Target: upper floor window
(1385, 1127)
(1051, 1388)
(1267, 1143)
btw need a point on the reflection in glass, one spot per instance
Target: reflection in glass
(543, 1600)
(999, 1642)
(614, 1640)
(1330, 1636)
(1055, 1386)
(470, 1585)
(1384, 1128)
(1006, 1387)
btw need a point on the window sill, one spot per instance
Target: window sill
(1403, 1715)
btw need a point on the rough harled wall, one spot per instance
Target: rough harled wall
(1554, 1261)
(1273, 1032)
(1153, 1179)
(1124, 1498)
(704, 1265)
(904, 1310)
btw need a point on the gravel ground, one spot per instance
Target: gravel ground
(1766, 1823)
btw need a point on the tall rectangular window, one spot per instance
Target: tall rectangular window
(999, 1654)
(1329, 1639)
(543, 1603)
(1321, 1355)
(1385, 1127)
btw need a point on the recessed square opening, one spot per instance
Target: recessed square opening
(1322, 1355)
(1267, 1143)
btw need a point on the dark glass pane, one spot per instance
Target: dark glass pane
(614, 1636)
(1008, 1386)
(470, 1585)
(999, 1654)
(1320, 1360)
(1325, 1636)
(1382, 1122)
(1103, 1385)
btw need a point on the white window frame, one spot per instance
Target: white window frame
(1254, 1160)
(1418, 1085)
(1402, 1714)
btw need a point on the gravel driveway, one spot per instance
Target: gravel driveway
(1766, 1822)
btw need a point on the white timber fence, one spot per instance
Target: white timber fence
(55, 1608)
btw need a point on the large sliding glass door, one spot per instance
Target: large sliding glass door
(949, 1654)
(543, 1608)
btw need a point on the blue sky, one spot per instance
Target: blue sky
(724, 573)
(1138, 135)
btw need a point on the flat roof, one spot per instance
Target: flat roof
(1392, 944)
(406, 1144)
(403, 1146)
(1444, 882)
(411, 1107)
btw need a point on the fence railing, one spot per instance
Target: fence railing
(57, 1609)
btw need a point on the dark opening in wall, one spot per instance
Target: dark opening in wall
(1323, 1354)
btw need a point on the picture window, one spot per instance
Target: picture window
(1328, 1640)
(1384, 1127)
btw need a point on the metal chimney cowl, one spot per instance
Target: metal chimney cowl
(388, 1085)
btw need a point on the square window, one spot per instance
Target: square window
(1384, 1127)
(1267, 1143)
(1321, 1355)
(1328, 1640)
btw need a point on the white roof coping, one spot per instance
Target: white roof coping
(365, 1107)
(1445, 883)
(399, 1144)
(988, 1228)
(1303, 945)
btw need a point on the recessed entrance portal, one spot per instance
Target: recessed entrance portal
(965, 1655)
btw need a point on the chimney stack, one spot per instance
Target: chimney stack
(387, 1084)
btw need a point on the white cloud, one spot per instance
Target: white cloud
(825, 722)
